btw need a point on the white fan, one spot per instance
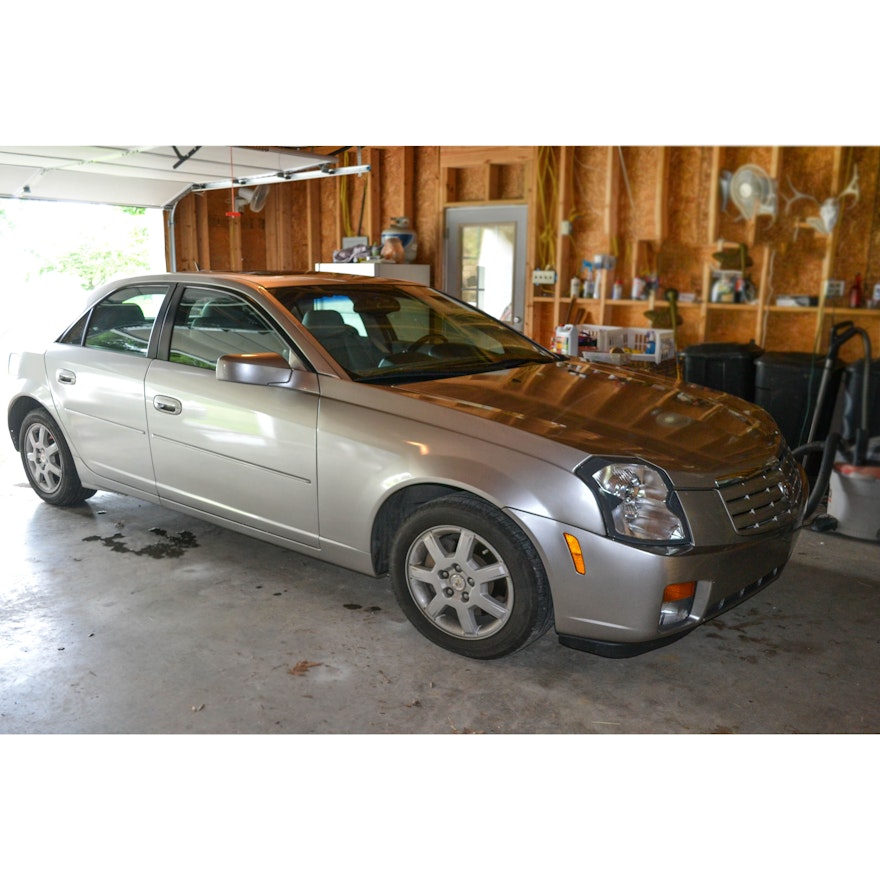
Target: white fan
(753, 191)
(253, 197)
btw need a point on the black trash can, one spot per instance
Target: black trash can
(852, 400)
(724, 366)
(787, 386)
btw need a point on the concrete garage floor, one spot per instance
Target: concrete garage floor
(120, 617)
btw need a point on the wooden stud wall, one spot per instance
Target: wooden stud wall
(657, 209)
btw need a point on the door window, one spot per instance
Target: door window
(210, 323)
(485, 258)
(124, 321)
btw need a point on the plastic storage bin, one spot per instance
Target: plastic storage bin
(600, 337)
(724, 366)
(646, 344)
(787, 386)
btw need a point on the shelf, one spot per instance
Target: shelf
(836, 310)
(850, 313)
(732, 307)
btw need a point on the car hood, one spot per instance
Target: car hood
(695, 434)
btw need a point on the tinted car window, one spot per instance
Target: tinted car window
(124, 320)
(397, 333)
(210, 323)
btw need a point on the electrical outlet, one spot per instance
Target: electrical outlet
(543, 276)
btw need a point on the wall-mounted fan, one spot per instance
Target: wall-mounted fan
(253, 197)
(753, 191)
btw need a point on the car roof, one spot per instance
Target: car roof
(262, 278)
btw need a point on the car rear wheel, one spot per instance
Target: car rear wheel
(469, 579)
(47, 461)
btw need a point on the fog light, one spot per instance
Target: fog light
(577, 556)
(678, 599)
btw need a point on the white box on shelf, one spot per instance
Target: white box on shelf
(417, 272)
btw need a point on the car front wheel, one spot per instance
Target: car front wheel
(469, 579)
(47, 461)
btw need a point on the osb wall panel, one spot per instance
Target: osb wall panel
(218, 229)
(252, 228)
(294, 254)
(286, 233)
(589, 183)
(798, 250)
(427, 216)
(728, 325)
(794, 333)
(473, 184)
(689, 184)
(857, 217)
(639, 169)
(330, 233)
(510, 182)
(394, 180)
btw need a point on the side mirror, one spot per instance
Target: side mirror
(264, 368)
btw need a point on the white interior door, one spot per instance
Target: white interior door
(486, 259)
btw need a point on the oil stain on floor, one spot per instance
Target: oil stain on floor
(169, 547)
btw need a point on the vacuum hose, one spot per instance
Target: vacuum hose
(828, 448)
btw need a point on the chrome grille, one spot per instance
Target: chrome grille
(765, 499)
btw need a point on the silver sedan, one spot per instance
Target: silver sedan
(391, 429)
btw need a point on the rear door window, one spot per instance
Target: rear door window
(124, 321)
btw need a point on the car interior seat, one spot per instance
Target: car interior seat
(342, 341)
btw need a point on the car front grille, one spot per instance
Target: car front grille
(765, 499)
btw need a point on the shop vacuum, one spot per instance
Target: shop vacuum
(850, 468)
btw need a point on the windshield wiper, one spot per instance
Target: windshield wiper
(510, 363)
(449, 371)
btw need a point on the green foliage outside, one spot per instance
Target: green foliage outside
(81, 246)
(94, 261)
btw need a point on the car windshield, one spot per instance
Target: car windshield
(405, 333)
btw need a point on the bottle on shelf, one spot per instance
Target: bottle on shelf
(855, 293)
(589, 283)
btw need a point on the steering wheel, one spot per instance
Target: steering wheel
(424, 340)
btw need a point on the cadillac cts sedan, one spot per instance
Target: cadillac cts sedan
(393, 430)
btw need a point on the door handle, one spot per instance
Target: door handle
(169, 405)
(66, 377)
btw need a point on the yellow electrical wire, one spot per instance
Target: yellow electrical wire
(548, 186)
(344, 201)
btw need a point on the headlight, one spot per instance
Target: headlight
(637, 502)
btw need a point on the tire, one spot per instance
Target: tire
(48, 463)
(469, 579)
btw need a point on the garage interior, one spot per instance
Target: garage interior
(121, 617)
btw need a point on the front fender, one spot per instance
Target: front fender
(366, 458)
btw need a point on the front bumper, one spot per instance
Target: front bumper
(614, 608)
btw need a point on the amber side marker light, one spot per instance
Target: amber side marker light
(577, 556)
(678, 599)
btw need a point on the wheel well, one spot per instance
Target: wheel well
(393, 512)
(17, 413)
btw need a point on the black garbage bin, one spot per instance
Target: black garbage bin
(787, 386)
(852, 400)
(724, 366)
